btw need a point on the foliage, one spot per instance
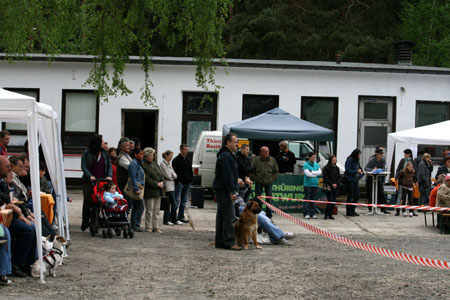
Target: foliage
(361, 31)
(427, 23)
(112, 30)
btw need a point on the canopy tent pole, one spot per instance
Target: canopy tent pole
(33, 151)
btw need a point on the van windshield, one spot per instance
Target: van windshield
(301, 150)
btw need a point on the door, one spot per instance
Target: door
(375, 123)
(142, 125)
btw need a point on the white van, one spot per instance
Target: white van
(205, 156)
(210, 142)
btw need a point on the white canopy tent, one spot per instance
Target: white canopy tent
(40, 118)
(434, 134)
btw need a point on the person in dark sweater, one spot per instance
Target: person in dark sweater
(226, 189)
(331, 181)
(445, 168)
(407, 179)
(182, 166)
(95, 163)
(285, 159)
(244, 168)
(377, 162)
(353, 174)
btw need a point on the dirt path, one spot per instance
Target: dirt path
(181, 264)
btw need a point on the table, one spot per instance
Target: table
(47, 204)
(375, 190)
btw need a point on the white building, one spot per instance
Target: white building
(361, 102)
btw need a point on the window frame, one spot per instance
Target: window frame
(76, 150)
(335, 113)
(277, 98)
(18, 90)
(186, 117)
(432, 102)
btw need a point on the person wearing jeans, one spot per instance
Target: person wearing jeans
(311, 184)
(137, 177)
(353, 173)
(182, 166)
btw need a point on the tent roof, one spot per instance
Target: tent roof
(277, 124)
(434, 134)
(15, 107)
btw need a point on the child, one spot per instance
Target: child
(112, 197)
(407, 180)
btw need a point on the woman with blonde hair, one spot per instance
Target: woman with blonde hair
(170, 215)
(154, 183)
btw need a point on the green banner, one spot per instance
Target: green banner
(288, 186)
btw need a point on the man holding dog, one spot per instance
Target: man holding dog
(226, 187)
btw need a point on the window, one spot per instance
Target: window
(253, 105)
(18, 131)
(430, 112)
(199, 114)
(322, 111)
(79, 119)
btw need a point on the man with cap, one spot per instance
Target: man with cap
(375, 163)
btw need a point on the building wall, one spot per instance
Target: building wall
(170, 81)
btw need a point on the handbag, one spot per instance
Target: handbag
(3, 239)
(6, 216)
(129, 190)
(165, 203)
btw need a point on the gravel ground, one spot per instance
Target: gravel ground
(182, 264)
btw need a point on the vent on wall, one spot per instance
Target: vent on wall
(403, 52)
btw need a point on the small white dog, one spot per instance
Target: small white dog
(53, 256)
(58, 249)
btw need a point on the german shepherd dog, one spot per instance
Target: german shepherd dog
(247, 225)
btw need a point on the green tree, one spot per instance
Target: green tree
(361, 31)
(112, 30)
(427, 23)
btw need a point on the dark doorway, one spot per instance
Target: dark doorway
(141, 124)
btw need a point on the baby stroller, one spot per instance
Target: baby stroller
(109, 218)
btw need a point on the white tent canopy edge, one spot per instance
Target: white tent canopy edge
(434, 134)
(40, 118)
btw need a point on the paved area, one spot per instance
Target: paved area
(182, 263)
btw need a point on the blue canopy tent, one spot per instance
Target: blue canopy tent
(277, 124)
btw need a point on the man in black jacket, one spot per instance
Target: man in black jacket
(182, 165)
(285, 159)
(244, 167)
(226, 188)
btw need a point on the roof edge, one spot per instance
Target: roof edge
(249, 63)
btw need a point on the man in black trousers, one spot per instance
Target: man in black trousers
(226, 188)
(244, 167)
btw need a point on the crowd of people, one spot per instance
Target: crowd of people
(413, 178)
(19, 250)
(142, 181)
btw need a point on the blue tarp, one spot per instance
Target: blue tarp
(277, 124)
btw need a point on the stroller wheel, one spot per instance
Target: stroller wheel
(125, 233)
(109, 233)
(117, 230)
(92, 230)
(130, 234)
(104, 234)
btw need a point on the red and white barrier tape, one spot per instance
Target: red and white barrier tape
(432, 208)
(417, 260)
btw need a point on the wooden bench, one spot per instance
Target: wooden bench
(444, 217)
